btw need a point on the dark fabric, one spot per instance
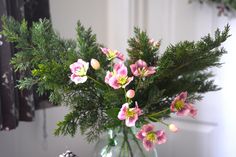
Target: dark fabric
(16, 105)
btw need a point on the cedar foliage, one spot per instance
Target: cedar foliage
(184, 66)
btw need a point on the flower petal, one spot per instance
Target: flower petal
(108, 76)
(161, 137)
(139, 135)
(192, 110)
(147, 128)
(134, 70)
(113, 82)
(141, 64)
(130, 121)
(123, 110)
(78, 79)
(148, 145)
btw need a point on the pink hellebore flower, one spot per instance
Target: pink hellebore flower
(112, 54)
(79, 71)
(181, 107)
(154, 43)
(150, 137)
(130, 115)
(118, 78)
(141, 69)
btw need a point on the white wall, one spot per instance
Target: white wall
(31, 140)
(213, 134)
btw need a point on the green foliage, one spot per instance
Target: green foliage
(45, 59)
(140, 47)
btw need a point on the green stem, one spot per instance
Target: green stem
(139, 81)
(158, 120)
(125, 95)
(129, 149)
(96, 81)
(136, 141)
(122, 148)
(157, 113)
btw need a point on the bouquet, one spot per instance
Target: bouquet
(106, 90)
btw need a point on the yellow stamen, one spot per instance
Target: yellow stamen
(151, 137)
(179, 105)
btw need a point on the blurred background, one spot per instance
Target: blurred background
(211, 134)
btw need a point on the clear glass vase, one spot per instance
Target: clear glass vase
(121, 145)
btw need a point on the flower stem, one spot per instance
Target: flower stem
(125, 95)
(139, 81)
(158, 120)
(157, 113)
(137, 143)
(96, 81)
(129, 149)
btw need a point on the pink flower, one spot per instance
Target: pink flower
(130, 115)
(141, 69)
(154, 43)
(181, 107)
(79, 71)
(130, 93)
(112, 54)
(118, 78)
(150, 137)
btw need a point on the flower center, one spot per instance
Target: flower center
(122, 80)
(130, 113)
(111, 55)
(80, 72)
(142, 71)
(151, 137)
(179, 105)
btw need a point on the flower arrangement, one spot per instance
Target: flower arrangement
(105, 90)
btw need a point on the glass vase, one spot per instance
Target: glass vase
(123, 144)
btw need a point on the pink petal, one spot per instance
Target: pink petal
(120, 55)
(172, 106)
(183, 112)
(122, 70)
(74, 67)
(151, 70)
(139, 135)
(137, 109)
(78, 79)
(140, 64)
(105, 50)
(161, 137)
(148, 145)
(147, 128)
(192, 110)
(108, 76)
(117, 66)
(113, 82)
(123, 110)
(128, 81)
(183, 96)
(130, 121)
(134, 70)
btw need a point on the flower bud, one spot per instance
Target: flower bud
(95, 64)
(130, 93)
(173, 128)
